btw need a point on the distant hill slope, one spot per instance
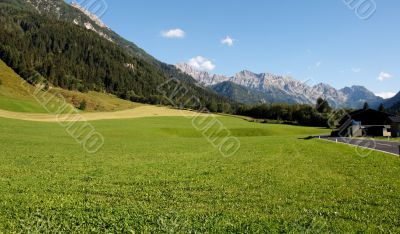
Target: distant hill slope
(246, 95)
(393, 104)
(238, 93)
(395, 108)
(392, 101)
(68, 49)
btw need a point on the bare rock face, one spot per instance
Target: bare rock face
(286, 89)
(81, 17)
(89, 14)
(46, 6)
(202, 77)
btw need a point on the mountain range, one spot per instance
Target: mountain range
(250, 87)
(69, 47)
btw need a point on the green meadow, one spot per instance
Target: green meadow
(159, 174)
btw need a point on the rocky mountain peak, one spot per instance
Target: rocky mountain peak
(202, 77)
(47, 6)
(286, 89)
(74, 13)
(323, 86)
(247, 73)
(89, 14)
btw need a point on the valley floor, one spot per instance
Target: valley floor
(159, 174)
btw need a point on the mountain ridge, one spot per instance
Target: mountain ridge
(392, 101)
(285, 89)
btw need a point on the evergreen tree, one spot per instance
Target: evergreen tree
(82, 105)
(323, 106)
(212, 106)
(381, 108)
(366, 106)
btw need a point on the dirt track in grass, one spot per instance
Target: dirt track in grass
(139, 112)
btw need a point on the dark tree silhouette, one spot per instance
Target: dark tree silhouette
(366, 106)
(381, 108)
(323, 106)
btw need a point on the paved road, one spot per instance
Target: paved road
(385, 146)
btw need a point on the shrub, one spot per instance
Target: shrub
(82, 105)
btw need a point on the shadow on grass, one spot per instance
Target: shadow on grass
(307, 138)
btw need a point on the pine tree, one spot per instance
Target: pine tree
(82, 105)
(381, 108)
(323, 106)
(366, 106)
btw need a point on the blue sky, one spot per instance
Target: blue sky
(314, 40)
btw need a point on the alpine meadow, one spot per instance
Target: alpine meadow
(98, 135)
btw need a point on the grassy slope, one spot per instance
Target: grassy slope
(159, 174)
(15, 94)
(18, 98)
(95, 101)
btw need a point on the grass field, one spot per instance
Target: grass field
(160, 175)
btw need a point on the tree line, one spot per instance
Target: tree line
(301, 114)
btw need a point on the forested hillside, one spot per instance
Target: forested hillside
(240, 93)
(68, 56)
(395, 108)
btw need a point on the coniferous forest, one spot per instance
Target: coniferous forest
(71, 57)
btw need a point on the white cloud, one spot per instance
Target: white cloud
(173, 33)
(385, 95)
(201, 63)
(356, 70)
(228, 41)
(318, 64)
(384, 76)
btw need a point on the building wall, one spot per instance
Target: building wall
(386, 133)
(375, 131)
(356, 131)
(395, 130)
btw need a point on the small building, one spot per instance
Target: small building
(368, 123)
